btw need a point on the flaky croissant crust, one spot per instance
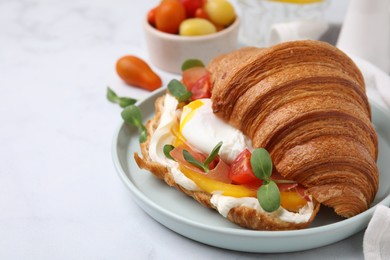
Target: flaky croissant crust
(305, 102)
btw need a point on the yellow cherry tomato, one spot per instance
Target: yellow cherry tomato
(196, 26)
(220, 12)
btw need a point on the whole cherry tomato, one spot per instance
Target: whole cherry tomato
(196, 26)
(152, 16)
(134, 71)
(220, 12)
(169, 15)
(201, 13)
(191, 6)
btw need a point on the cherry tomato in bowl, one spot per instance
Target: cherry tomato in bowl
(169, 15)
(201, 13)
(191, 6)
(152, 16)
(168, 51)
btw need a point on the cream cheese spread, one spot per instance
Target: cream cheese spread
(223, 204)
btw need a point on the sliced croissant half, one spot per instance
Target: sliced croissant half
(304, 102)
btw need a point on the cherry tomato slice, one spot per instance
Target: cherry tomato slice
(191, 76)
(241, 170)
(197, 80)
(201, 88)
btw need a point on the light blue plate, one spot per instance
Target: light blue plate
(187, 217)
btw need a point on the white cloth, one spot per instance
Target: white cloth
(377, 82)
(383, 87)
(366, 32)
(376, 242)
(297, 30)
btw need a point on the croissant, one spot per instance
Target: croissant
(304, 102)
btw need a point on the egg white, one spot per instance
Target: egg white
(204, 130)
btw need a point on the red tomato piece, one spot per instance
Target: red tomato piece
(191, 76)
(201, 88)
(197, 80)
(191, 6)
(241, 170)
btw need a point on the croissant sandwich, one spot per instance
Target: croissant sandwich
(268, 135)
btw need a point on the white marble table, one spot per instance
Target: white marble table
(60, 197)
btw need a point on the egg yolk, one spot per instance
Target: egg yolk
(189, 111)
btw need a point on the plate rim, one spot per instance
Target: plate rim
(361, 219)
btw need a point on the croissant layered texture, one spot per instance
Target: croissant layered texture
(305, 102)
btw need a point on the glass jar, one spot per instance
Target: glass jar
(258, 16)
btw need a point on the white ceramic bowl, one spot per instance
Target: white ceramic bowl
(169, 51)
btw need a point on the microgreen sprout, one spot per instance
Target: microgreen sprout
(205, 165)
(268, 194)
(167, 149)
(132, 115)
(121, 101)
(179, 91)
(191, 63)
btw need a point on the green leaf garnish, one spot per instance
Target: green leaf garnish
(212, 155)
(205, 165)
(261, 164)
(167, 149)
(143, 135)
(122, 101)
(189, 158)
(132, 115)
(179, 91)
(269, 196)
(111, 95)
(191, 63)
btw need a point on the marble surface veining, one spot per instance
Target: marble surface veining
(60, 197)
